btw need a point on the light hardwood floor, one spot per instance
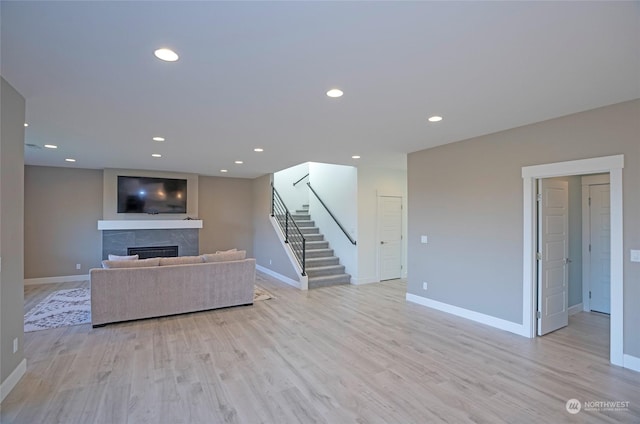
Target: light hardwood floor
(345, 354)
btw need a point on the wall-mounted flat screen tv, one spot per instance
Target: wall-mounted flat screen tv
(151, 195)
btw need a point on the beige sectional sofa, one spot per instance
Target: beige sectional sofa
(167, 286)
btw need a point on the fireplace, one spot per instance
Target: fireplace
(153, 251)
(118, 242)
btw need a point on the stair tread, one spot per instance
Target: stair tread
(323, 267)
(329, 280)
(305, 223)
(322, 261)
(320, 253)
(322, 258)
(329, 277)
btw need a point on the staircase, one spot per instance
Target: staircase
(323, 268)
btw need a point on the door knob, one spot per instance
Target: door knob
(381, 242)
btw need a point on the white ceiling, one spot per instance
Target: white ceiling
(255, 75)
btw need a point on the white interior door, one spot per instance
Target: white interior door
(600, 242)
(390, 235)
(553, 249)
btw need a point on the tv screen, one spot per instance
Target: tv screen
(151, 195)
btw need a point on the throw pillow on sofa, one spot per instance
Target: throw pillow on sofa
(123, 258)
(131, 264)
(237, 255)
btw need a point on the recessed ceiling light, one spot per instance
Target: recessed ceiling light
(70, 160)
(156, 155)
(435, 118)
(238, 162)
(355, 157)
(26, 125)
(50, 146)
(334, 92)
(223, 170)
(258, 149)
(167, 55)
(158, 138)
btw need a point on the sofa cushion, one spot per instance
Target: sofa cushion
(237, 255)
(181, 260)
(131, 264)
(123, 258)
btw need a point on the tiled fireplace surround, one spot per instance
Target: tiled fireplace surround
(117, 236)
(116, 242)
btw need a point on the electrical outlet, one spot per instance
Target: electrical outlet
(78, 266)
(269, 261)
(15, 345)
(424, 285)
(424, 239)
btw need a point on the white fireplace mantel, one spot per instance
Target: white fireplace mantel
(156, 224)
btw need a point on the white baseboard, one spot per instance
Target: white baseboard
(50, 280)
(13, 379)
(575, 309)
(280, 277)
(499, 323)
(631, 362)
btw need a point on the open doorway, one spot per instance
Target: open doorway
(573, 251)
(613, 166)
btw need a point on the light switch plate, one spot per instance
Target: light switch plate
(635, 256)
(423, 239)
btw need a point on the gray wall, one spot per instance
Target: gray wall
(63, 206)
(12, 111)
(62, 209)
(226, 209)
(467, 197)
(266, 246)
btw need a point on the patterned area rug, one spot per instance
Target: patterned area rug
(261, 294)
(60, 309)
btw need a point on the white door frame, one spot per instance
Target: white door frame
(588, 181)
(613, 165)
